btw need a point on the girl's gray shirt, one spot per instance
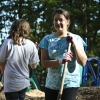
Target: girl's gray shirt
(17, 58)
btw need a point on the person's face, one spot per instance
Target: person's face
(60, 22)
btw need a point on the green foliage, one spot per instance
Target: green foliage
(41, 73)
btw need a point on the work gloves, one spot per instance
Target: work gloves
(71, 38)
(66, 57)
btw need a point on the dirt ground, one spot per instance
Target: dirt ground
(84, 93)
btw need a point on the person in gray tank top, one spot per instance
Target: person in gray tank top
(16, 54)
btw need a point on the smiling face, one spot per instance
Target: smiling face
(60, 22)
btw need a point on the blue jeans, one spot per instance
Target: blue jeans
(18, 95)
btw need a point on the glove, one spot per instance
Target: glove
(71, 38)
(66, 58)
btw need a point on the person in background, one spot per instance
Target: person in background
(53, 57)
(16, 54)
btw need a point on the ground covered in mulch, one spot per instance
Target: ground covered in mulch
(84, 93)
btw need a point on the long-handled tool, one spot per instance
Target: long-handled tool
(63, 76)
(2, 87)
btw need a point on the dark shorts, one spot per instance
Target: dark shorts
(18, 95)
(68, 94)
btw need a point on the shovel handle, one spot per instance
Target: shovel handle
(63, 76)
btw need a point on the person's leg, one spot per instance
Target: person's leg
(11, 96)
(69, 94)
(51, 94)
(22, 94)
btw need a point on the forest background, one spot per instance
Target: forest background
(84, 14)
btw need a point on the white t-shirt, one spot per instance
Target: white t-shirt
(17, 58)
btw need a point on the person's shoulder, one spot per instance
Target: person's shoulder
(8, 41)
(76, 35)
(79, 39)
(29, 41)
(49, 36)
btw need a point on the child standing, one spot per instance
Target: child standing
(54, 55)
(16, 53)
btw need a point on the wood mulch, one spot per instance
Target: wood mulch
(84, 93)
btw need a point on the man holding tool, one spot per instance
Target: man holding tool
(54, 55)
